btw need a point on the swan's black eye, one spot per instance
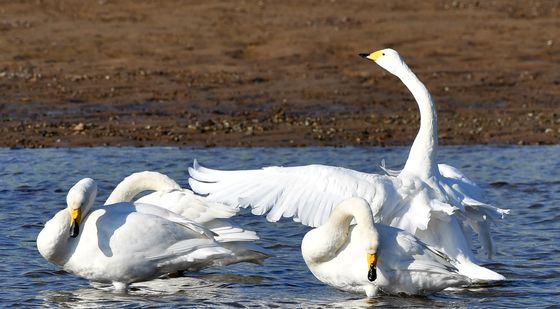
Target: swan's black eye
(383, 54)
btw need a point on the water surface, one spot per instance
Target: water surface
(34, 182)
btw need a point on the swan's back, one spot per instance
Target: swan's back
(412, 267)
(185, 203)
(118, 243)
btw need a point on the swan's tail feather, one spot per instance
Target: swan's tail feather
(244, 252)
(226, 232)
(239, 241)
(189, 250)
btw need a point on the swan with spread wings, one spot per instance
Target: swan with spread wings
(435, 202)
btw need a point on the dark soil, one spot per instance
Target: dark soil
(274, 73)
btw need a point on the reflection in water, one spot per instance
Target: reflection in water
(190, 290)
(34, 182)
(212, 290)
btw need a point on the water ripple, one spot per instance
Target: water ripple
(34, 182)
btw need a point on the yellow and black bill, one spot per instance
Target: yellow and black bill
(75, 215)
(372, 266)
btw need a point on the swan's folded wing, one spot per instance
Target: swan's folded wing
(306, 193)
(185, 203)
(173, 217)
(409, 253)
(189, 251)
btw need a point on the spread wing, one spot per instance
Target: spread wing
(306, 193)
(466, 193)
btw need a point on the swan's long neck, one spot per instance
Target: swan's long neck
(53, 239)
(421, 159)
(335, 232)
(137, 183)
(350, 209)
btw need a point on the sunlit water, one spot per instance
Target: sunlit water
(33, 186)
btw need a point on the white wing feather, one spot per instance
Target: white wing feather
(170, 216)
(477, 215)
(185, 203)
(306, 193)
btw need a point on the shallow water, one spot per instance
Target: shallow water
(34, 182)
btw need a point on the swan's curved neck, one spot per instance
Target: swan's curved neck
(343, 214)
(52, 241)
(137, 183)
(421, 159)
(335, 231)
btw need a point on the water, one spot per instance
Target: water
(34, 182)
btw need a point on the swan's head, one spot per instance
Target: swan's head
(388, 59)
(364, 219)
(360, 210)
(371, 251)
(79, 200)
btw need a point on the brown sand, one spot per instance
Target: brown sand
(274, 73)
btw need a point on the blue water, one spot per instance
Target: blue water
(34, 182)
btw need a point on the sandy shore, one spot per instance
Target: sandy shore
(275, 73)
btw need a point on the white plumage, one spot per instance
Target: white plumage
(435, 202)
(130, 242)
(169, 195)
(337, 254)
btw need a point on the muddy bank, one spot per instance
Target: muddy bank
(270, 73)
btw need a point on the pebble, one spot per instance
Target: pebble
(79, 127)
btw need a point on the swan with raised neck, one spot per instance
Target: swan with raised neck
(421, 159)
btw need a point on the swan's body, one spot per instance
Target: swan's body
(169, 195)
(124, 242)
(434, 202)
(337, 254)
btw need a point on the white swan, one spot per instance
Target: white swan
(169, 195)
(125, 243)
(366, 258)
(436, 203)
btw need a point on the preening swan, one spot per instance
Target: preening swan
(367, 257)
(124, 242)
(169, 195)
(435, 202)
